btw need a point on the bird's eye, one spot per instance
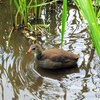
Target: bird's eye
(33, 49)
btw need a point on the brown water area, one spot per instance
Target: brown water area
(21, 79)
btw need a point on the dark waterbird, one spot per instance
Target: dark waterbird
(53, 58)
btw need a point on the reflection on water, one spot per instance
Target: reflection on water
(21, 79)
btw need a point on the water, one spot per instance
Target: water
(21, 79)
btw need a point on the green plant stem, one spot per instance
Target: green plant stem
(64, 16)
(86, 8)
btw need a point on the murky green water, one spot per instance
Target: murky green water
(21, 79)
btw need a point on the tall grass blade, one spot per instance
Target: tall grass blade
(11, 10)
(42, 4)
(16, 3)
(64, 16)
(25, 10)
(98, 14)
(87, 11)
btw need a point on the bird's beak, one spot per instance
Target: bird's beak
(29, 51)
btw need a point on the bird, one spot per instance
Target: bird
(53, 58)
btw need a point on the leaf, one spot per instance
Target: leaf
(64, 16)
(32, 38)
(86, 8)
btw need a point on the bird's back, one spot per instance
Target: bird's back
(59, 54)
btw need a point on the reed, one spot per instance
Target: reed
(64, 16)
(23, 9)
(86, 9)
(11, 10)
(90, 14)
(42, 4)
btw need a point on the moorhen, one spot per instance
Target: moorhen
(53, 58)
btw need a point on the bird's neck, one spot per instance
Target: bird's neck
(39, 53)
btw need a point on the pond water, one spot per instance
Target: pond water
(21, 79)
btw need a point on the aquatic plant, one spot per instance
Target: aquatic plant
(64, 16)
(23, 8)
(85, 7)
(87, 11)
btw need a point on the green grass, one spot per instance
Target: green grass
(42, 4)
(64, 16)
(11, 10)
(23, 9)
(86, 9)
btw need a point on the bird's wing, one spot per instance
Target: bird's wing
(58, 55)
(55, 57)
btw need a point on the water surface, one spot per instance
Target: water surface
(21, 79)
